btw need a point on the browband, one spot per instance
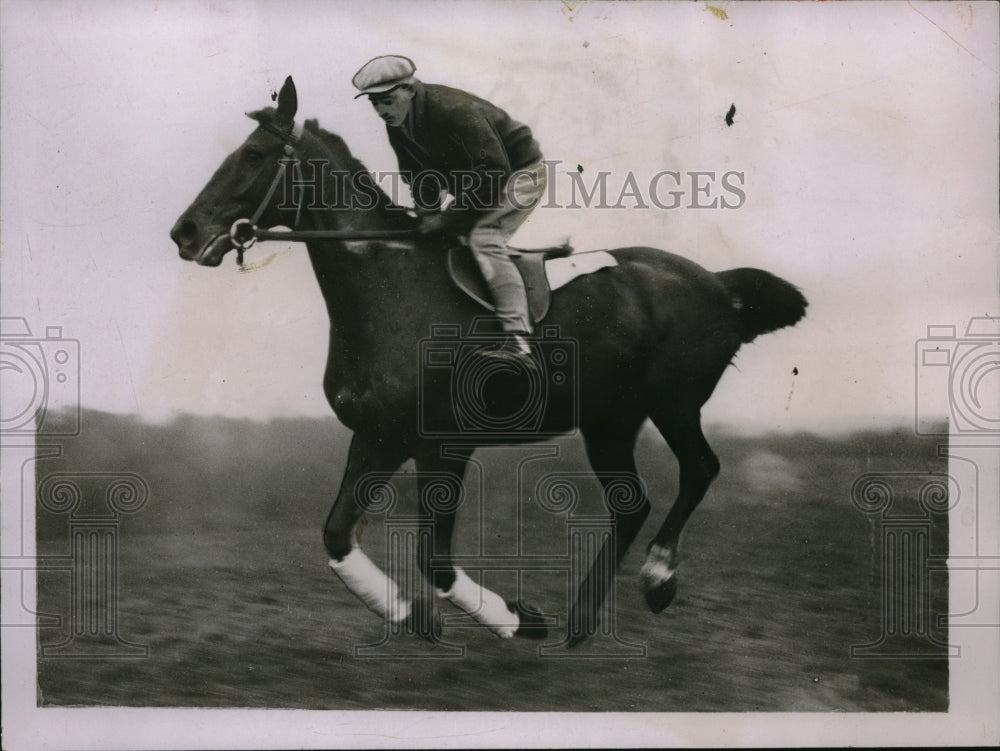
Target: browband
(290, 137)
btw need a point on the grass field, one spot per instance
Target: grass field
(222, 576)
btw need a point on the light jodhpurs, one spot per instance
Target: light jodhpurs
(488, 241)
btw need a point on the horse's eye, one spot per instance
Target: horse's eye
(254, 156)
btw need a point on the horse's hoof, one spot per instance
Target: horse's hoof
(576, 640)
(660, 596)
(532, 624)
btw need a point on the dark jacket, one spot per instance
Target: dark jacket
(466, 142)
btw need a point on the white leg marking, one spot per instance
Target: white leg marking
(485, 606)
(370, 585)
(658, 568)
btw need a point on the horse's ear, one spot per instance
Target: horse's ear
(288, 101)
(258, 115)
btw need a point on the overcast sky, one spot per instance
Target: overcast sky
(866, 135)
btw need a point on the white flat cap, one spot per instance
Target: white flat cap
(383, 73)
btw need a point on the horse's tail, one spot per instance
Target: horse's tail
(764, 302)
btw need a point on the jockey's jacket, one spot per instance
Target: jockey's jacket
(473, 144)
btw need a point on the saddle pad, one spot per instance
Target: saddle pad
(540, 276)
(561, 271)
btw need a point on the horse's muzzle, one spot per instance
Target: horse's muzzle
(192, 245)
(185, 234)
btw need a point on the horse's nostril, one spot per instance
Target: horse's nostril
(187, 230)
(184, 232)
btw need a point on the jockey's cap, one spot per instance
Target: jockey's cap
(383, 74)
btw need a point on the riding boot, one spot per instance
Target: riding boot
(514, 346)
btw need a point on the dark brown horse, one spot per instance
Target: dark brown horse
(648, 338)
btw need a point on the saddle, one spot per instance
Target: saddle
(530, 262)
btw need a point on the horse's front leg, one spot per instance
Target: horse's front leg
(440, 480)
(366, 460)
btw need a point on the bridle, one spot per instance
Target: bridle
(244, 232)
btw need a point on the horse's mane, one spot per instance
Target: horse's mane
(343, 156)
(337, 145)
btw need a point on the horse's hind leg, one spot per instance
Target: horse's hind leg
(611, 457)
(441, 491)
(370, 464)
(698, 467)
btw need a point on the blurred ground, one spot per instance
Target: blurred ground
(223, 576)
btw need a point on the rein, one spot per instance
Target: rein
(244, 232)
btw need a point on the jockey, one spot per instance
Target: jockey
(448, 141)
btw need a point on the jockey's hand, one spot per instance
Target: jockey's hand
(431, 223)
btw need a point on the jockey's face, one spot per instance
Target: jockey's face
(392, 106)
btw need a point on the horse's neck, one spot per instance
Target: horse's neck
(366, 284)
(346, 272)
(376, 295)
(344, 195)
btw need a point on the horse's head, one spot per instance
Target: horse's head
(245, 186)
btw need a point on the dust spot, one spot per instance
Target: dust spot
(571, 9)
(965, 13)
(767, 472)
(263, 263)
(718, 12)
(939, 28)
(731, 114)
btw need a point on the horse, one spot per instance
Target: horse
(654, 335)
